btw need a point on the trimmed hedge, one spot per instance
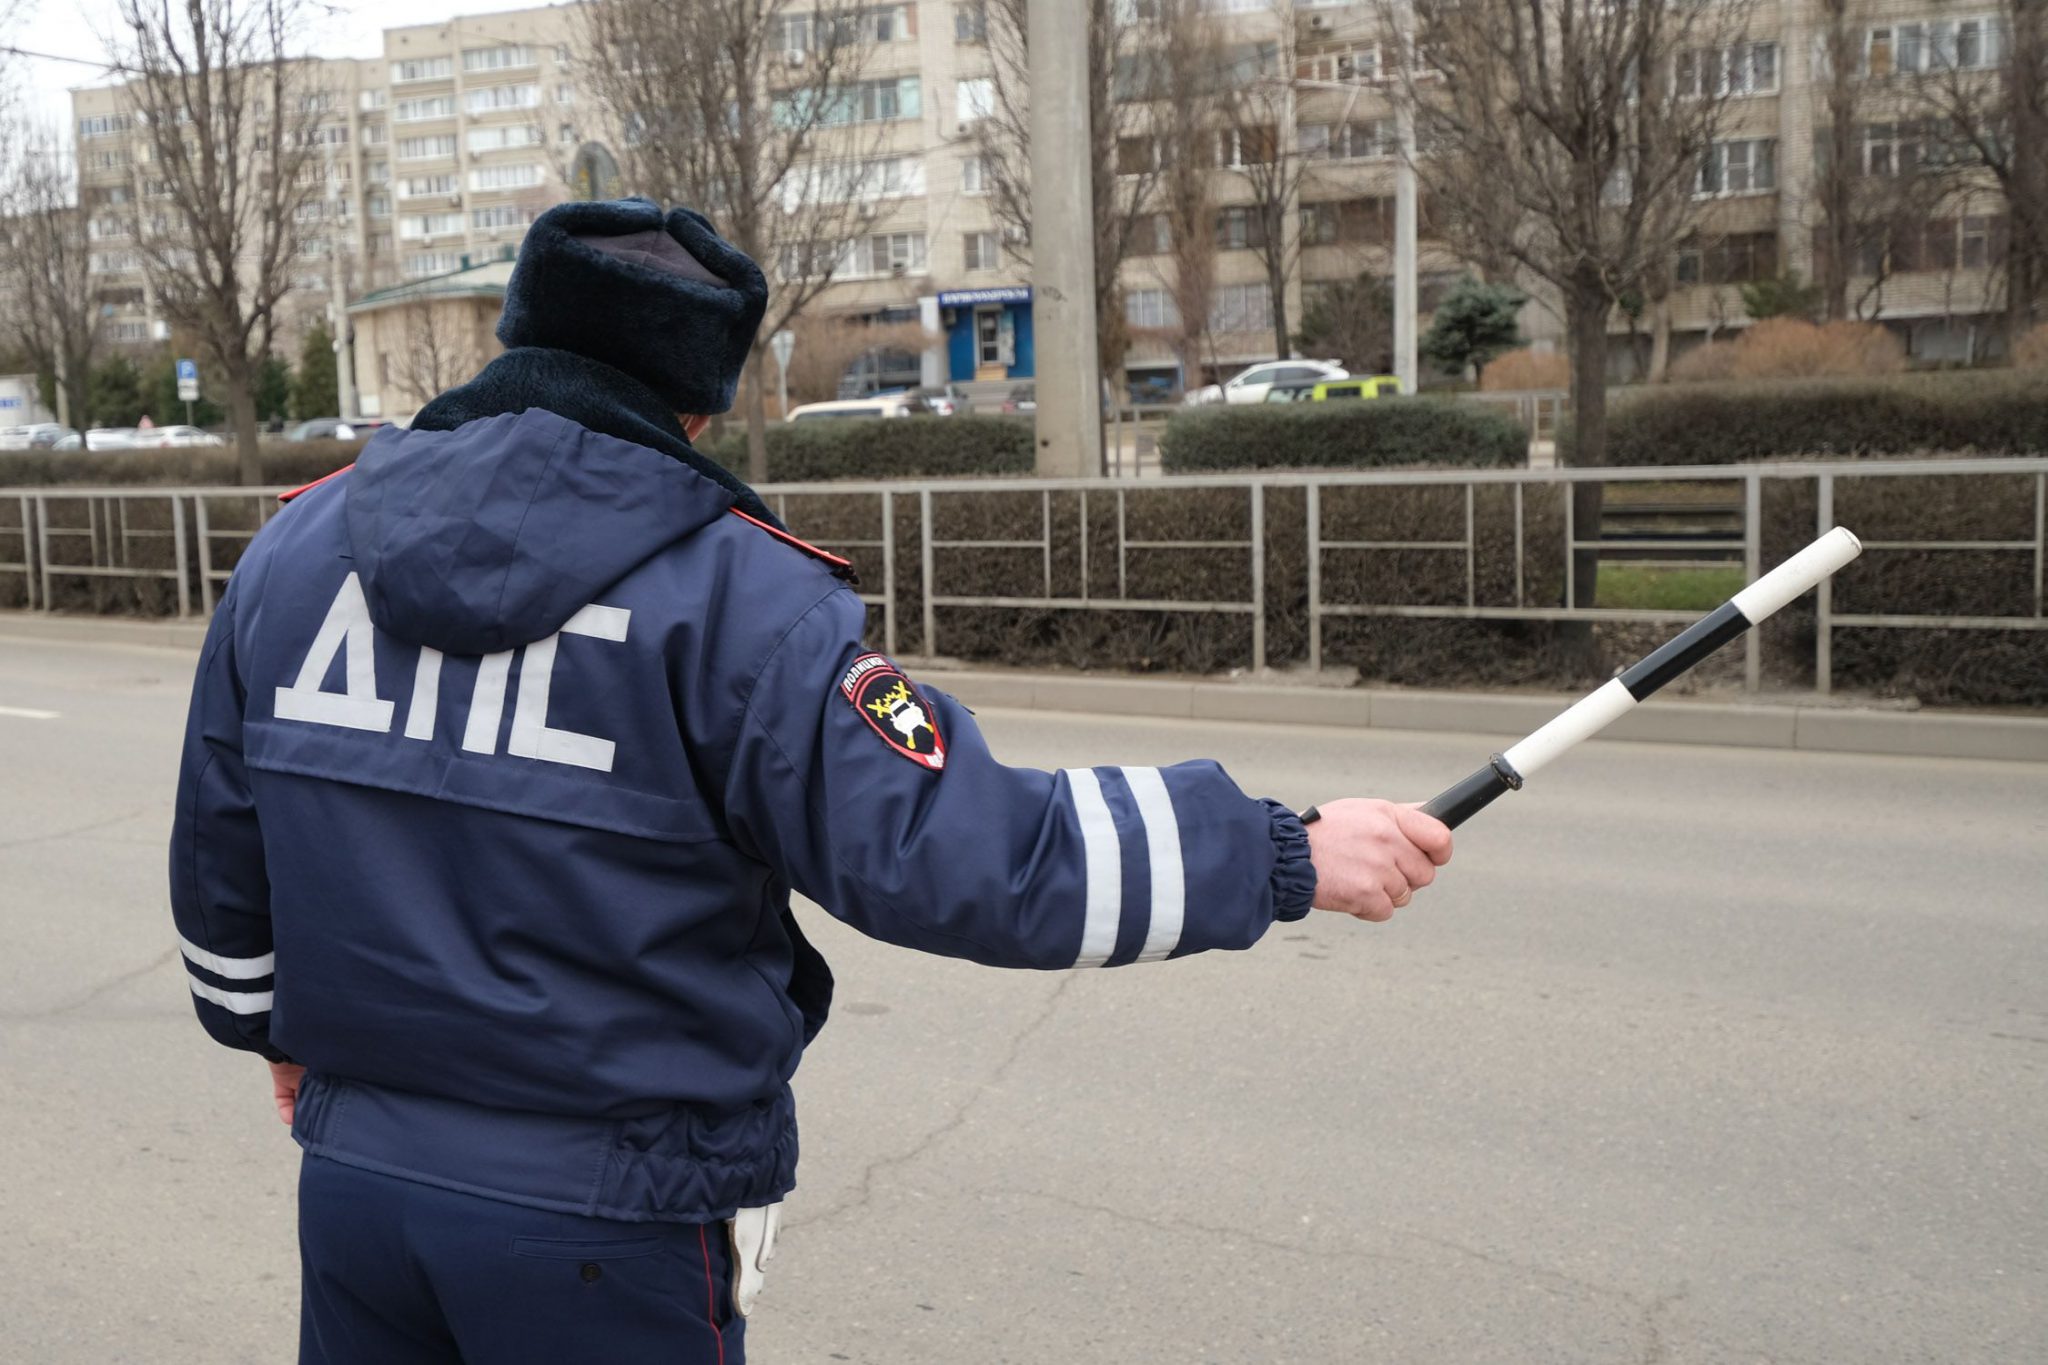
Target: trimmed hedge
(287, 463)
(878, 448)
(1355, 435)
(1995, 413)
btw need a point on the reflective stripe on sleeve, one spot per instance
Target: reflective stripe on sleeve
(233, 968)
(1162, 846)
(1103, 853)
(234, 1002)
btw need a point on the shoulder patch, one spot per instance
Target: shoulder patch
(288, 495)
(841, 568)
(895, 710)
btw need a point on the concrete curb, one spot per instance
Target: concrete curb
(1828, 729)
(1758, 725)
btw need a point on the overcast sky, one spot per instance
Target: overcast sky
(78, 28)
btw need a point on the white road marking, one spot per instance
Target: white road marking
(27, 713)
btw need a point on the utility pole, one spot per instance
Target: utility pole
(1069, 378)
(344, 353)
(1405, 290)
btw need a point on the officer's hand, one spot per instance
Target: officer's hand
(284, 1088)
(1372, 856)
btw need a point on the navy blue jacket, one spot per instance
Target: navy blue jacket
(506, 751)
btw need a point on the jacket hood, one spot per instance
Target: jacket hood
(493, 534)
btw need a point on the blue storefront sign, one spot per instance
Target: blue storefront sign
(988, 333)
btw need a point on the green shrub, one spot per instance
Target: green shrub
(286, 463)
(1997, 413)
(1354, 435)
(874, 448)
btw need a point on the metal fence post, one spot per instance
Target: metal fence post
(888, 572)
(203, 528)
(1571, 544)
(1471, 548)
(1258, 576)
(1315, 578)
(2040, 534)
(1824, 607)
(1084, 545)
(43, 546)
(178, 549)
(1519, 593)
(28, 553)
(1752, 569)
(931, 615)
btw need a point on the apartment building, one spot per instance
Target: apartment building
(448, 144)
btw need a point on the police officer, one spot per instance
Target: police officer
(507, 749)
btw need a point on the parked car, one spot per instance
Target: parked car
(159, 438)
(946, 400)
(73, 441)
(888, 405)
(1249, 386)
(114, 438)
(1023, 398)
(1330, 390)
(336, 429)
(34, 436)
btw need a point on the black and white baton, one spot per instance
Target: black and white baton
(1600, 708)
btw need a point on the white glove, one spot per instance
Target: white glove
(753, 1246)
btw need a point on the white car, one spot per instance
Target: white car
(161, 437)
(1249, 386)
(113, 438)
(890, 405)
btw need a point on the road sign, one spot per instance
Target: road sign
(188, 381)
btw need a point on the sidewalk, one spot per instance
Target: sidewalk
(1829, 727)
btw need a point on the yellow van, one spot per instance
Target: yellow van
(1336, 390)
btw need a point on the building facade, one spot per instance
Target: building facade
(442, 150)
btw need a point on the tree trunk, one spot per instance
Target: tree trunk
(77, 386)
(1276, 285)
(757, 418)
(242, 413)
(1660, 340)
(1586, 336)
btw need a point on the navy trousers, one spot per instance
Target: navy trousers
(400, 1273)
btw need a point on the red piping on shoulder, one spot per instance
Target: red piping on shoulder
(787, 539)
(307, 488)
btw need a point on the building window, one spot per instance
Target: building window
(1742, 166)
(1240, 147)
(883, 253)
(567, 134)
(418, 226)
(373, 99)
(496, 58)
(498, 217)
(1742, 69)
(105, 125)
(426, 148)
(423, 186)
(378, 206)
(377, 173)
(970, 22)
(1241, 308)
(980, 251)
(1138, 155)
(867, 102)
(374, 134)
(1974, 44)
(1358, 65)
(1738, 258)
(498, 139)
(565, 93)
(1150, 309)
(422, 69)
(974, 175)
(1238, 229)
(1369, 140)
(128, 333)
(414, 111)
(495, 97)
(515, 177)
(1976, 253)
(975, 99)
(423, 263)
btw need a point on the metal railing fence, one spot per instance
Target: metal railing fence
(1079, 544)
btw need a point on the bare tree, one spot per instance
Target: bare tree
(1555, 136)
(1125, 78)
(45, 256)
(1193, 113)
(1985, 80)
(1880, 172)
(756, 113)
(438, 351)
(229, 119)
(1254, 147)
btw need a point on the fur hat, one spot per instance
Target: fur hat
(665, 299)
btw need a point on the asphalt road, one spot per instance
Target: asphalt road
(1692, 1055)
